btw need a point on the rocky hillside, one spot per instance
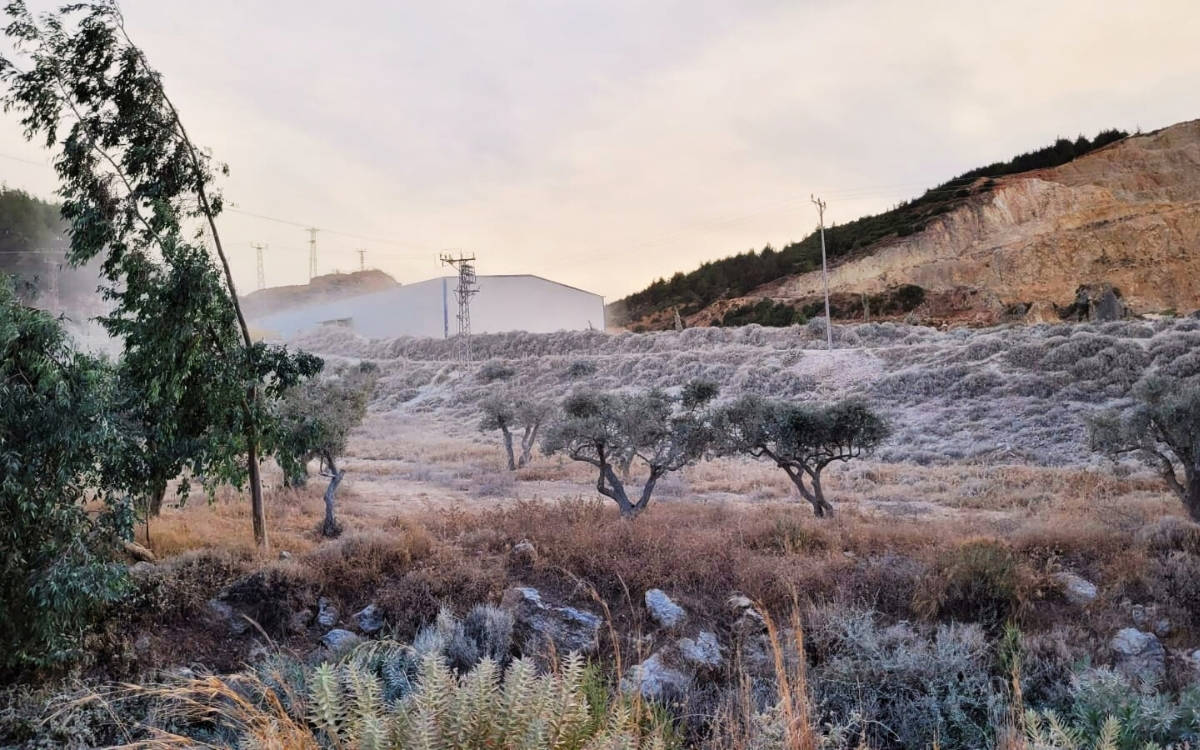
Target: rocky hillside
(1125, 216)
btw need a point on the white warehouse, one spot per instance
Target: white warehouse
(430, 308)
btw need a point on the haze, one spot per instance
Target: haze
(604, 144)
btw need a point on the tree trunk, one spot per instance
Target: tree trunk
(611, 487)
(527, 442)
(257, 510)
(821, 507)
(1191, 494)
(157, 493)
(331, 528)
(508, 447)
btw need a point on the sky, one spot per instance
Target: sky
(605, 144)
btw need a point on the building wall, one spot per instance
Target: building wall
(428, 308)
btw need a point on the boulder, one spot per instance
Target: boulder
(369, 619)
(662, 610)
(327, 613)
(1147, 617)
(1041, 311)
(1078, 590)
(655, 679)
(538, 624)
(220, 615)
(747, 619)
(339, 641)
(1139, 654)
(702, 652)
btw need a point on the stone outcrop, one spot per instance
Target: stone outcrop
(1126, 215)
(541, 626)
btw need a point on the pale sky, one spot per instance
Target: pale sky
(604, 144)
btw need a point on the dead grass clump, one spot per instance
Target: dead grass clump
(786, 535)
(446, 579)
(362, 559)
(979, 580)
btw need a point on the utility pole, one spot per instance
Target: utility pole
(362, 259)
(820, 204)
(262, 276)
(312, 252)
(467, 287)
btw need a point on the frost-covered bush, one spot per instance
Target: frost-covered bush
(905, 689)
(495, 370)
(486, 632)
(581, 368)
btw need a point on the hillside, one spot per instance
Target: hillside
(319, 289)
(993, 244)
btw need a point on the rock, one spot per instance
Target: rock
(327, 613)
(1079, 591)
(748, 620)
(285, 555)
(300, 620)
(1147, 617)
(704, 652)
(655, 679)
(369, 619)
(143, 570)
(1138, 653)
(1041, 311)
(662, 610)
(221, 615)
(339, 641)
(538, 624)
(138, 552)
(523, 554)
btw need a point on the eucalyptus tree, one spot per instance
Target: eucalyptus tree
(800, 438)
(57, 560)
(664, 433)
(138, 193)
(1162, 429)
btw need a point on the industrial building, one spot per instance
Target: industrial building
(429, 308)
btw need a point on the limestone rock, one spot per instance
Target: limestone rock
(663, 610)
(1138, 653)
(220, 615)
(327, 613)
(655, 679)
(339, 641)
(702, 652)
(538, 624)
(1078, 590)
(369, 619)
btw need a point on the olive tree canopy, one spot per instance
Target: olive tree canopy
(801, 438)
(1162, 428)
(663, 432)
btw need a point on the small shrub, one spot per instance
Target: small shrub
(980, 580)
(496, 370)
(581, 368)
(1171, 534)
(361, 559)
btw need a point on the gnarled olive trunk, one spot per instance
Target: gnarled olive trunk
(814, 495)
(330, 527)
(508, 447)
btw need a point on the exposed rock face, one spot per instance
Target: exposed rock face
(1078, 590)
(369, 619)
(1127, 215)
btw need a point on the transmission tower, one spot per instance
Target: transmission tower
(362, 259)
(312, 252)
(467, 287)
(262, 276)
(820, 204)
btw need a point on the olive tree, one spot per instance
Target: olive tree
(138, 193)
(58, 562)
(663, 432)
(1162, 429)
(508, 415)
(800, 438)
(315, 420)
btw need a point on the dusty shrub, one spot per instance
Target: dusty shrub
(581, 368)
(902, 688)
(446, 578)
(1171, 534)
(886, 583)
(270, 596)
(787, 535)
(1080, 345)
(485, 633)
(361, 559)
(494, 370)
(979, 580)
(1145, 715)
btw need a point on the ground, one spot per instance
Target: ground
(983, 499)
